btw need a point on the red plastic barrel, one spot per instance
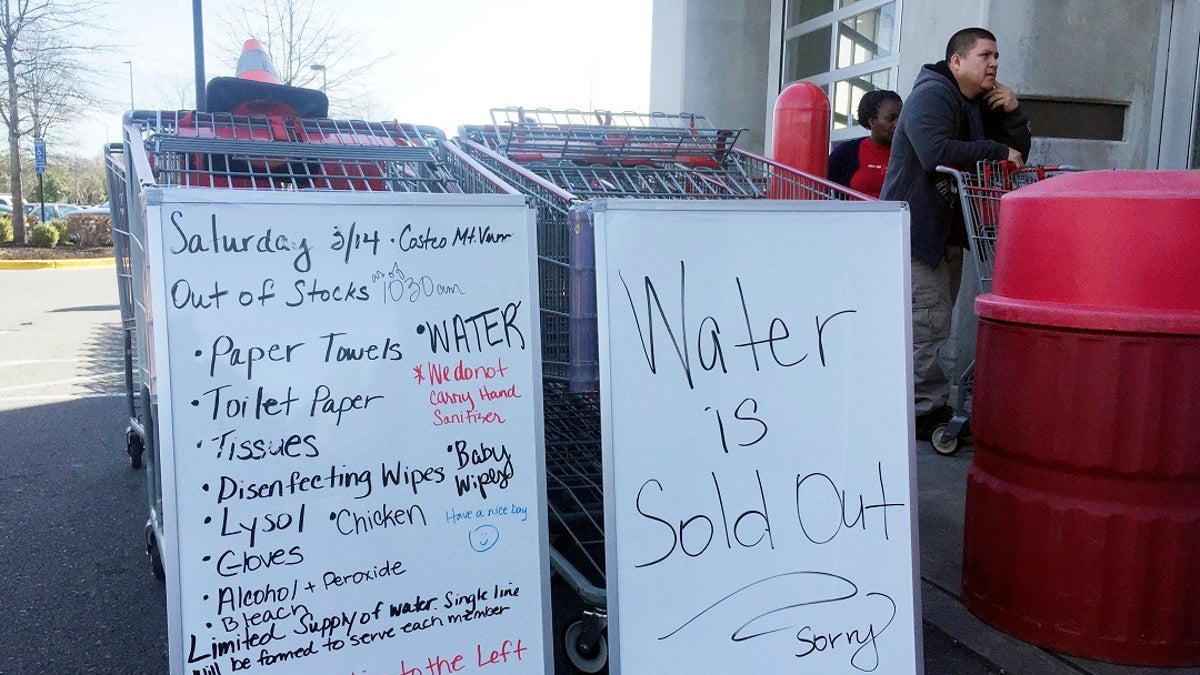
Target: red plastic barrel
(1082, 529)
(801, 128)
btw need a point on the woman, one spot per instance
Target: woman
(859, 164)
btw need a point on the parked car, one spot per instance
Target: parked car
(53, 210)
(98, 210)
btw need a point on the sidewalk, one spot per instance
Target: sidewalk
(942, 494)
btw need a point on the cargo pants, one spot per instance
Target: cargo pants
(934, 290)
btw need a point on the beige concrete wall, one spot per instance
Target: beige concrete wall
(1096, 50)
(710, 57)
(714, 57)
(925, 26)
(1087, 50)
(668, 55)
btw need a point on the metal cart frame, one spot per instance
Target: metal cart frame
(223, 151)
(562, 158)
(979, 194)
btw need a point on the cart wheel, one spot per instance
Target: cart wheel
(156, 563)
(944, 442)
(135, 448)
(586, 658)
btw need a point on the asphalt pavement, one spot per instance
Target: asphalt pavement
(77, 588)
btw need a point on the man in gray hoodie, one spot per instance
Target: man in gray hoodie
(956, 115)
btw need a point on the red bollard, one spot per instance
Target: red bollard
(801, 136)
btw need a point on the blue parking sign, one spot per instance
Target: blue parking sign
(39, 155)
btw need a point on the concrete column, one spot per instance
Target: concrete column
(707, 58)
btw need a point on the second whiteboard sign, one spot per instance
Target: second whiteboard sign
(759, 482)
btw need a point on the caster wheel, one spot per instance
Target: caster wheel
(944, 442)
(156, 563)
(135, 448)
(587, 659)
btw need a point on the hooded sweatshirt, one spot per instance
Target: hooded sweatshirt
(940, 126)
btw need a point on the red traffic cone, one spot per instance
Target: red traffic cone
(255, 64)
(258, 90)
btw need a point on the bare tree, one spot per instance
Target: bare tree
(178, 93)
(298, 35)
(37, 57)
(55, 83)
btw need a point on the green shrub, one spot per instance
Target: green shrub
(43, 236)
(60, 226)
(6, 226)
(89, 230)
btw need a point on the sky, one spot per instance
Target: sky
(450, 63)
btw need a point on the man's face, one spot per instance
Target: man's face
(975, 71)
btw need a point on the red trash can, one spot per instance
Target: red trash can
(1082, 526)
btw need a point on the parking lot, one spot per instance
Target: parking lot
(76, 585)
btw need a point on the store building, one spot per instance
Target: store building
(1106, 83)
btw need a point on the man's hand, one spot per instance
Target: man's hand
(1014, 157)
(1001, 97)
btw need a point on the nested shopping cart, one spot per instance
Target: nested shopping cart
(563, 158)
(979, 194)
(223, 151)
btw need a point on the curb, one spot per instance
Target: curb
(55, 264)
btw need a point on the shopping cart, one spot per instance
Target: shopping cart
(223, 151)
(979, 194)
(562, 158)
(135, 433)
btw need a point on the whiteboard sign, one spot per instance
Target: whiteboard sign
(759, 468)
(349, 396)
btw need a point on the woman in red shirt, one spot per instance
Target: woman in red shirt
(860, 164)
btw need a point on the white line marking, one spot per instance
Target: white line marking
(26, 362)
(72, 380)
(52, 397)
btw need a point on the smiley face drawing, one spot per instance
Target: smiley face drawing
(483, 538)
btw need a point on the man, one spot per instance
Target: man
(956, 115)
